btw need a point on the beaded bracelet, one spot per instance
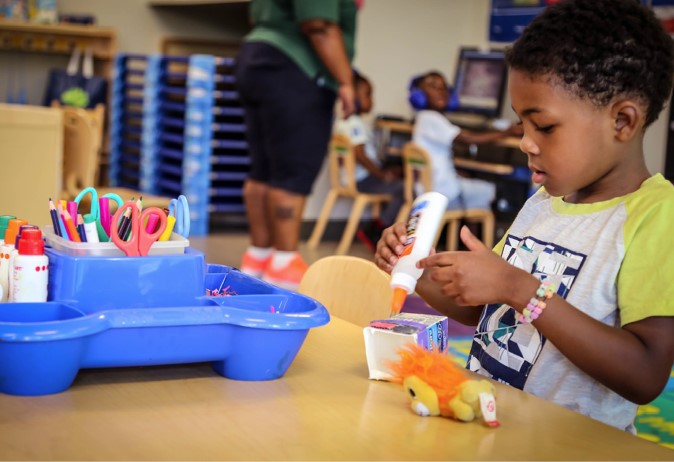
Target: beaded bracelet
(537, 304)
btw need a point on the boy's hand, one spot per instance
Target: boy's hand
(389, 246)
(471, 278)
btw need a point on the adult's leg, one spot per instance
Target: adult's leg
(256, 199)
(285, 210)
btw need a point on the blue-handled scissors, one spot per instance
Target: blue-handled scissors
(140, 241)
(180, 209)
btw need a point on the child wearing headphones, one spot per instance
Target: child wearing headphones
(436, 134)
(579, 307)
(372, 176)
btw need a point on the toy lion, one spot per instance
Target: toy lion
(438, 386)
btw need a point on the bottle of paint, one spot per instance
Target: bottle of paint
(7, 253)
(4, 222)
(30, 274)
(422, 226)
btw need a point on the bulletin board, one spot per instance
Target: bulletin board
(508, 18)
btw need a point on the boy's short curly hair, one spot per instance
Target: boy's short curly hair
(600, 49)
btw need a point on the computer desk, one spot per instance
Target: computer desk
(324, 408)
(388, 127)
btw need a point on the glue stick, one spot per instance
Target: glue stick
(422, 226)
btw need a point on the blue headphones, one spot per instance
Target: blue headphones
(417, 97)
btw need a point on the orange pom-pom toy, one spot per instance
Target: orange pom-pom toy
(438, 386)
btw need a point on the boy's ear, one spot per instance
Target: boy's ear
(628, 119)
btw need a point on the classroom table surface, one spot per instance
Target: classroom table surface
(324, 408)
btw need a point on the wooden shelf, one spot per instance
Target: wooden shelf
(57, 38)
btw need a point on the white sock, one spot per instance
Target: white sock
(281, 258)
(259, 253)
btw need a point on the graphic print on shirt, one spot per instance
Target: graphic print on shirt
(502, 348)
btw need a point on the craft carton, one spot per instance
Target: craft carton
(384, 337)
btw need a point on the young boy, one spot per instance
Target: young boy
(579, 309)
(436, 134)
(371, 176)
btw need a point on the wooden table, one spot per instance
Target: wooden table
(324, 408)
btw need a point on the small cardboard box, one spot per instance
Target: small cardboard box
(383, 339)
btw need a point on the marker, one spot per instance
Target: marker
(104, 214)
(170, 222)
(72, 209)
(152, 221)
(90, 228)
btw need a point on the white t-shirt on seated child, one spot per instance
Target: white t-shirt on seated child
(359, 133)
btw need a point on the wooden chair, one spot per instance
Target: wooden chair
(351, 288)
(82, 145)
(418, 179)
(342, 170)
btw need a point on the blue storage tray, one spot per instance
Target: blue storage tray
(140, 311)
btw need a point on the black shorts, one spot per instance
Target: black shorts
(288, 118)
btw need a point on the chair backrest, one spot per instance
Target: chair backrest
(81, 145)
(96, 118)
(351, 288)
(342, 165)
(418, 171)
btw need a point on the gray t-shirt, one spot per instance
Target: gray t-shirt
(595, 254)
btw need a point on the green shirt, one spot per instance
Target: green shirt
(277, 22)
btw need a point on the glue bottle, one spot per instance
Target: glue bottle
(422, 226)
(7, 253)
(30, 274)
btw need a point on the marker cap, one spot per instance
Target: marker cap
(4, 222)
(31, 242)
(13, 230)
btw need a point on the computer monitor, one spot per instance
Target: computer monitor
(479, 83)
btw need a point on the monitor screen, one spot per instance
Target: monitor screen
(479, 83)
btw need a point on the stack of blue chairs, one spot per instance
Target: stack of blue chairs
(216, 160)
(164, 125)
(177, 127)
(126, 122)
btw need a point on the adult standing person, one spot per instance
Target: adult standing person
(293, 65)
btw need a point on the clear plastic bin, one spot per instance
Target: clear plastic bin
(174, 246)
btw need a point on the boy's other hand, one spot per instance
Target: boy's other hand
(471, 278)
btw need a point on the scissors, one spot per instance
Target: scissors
(140, 241)
(180, 209)
(94, 200)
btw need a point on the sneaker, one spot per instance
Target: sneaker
(254, 266)
(289, 276)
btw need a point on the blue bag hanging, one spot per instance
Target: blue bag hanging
(70, 87)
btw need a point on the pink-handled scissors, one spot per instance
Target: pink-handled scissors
(140, 241)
